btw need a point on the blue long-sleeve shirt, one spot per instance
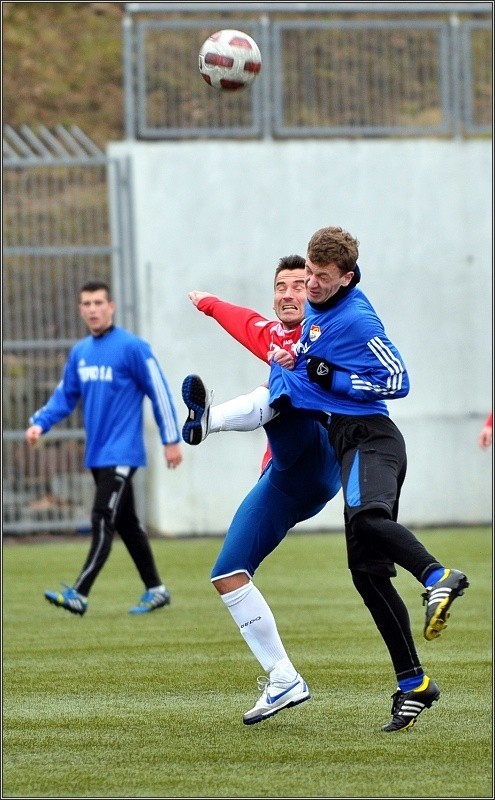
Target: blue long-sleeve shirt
(368, 368)
(111, 374)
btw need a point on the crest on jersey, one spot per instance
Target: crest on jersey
(314, 333)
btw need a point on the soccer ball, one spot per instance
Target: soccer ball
(229, 60)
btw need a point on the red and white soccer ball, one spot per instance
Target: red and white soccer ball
(229, 60)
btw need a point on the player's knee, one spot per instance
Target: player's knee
(230, 583)
(368, 522)
(103, 522)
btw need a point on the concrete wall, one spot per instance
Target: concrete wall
(217, 216)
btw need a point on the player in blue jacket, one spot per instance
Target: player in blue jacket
(110, 372)
(345, 370)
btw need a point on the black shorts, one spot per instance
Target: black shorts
(372, 456)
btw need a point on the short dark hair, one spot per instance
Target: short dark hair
(334, 245)
(95, 285)
(290, 263)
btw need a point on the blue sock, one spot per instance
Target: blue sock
(434, 576)
(408, 684)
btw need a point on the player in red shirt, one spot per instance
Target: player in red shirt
(265, 338)
(279, 500)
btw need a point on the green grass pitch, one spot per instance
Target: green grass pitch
(115, 705)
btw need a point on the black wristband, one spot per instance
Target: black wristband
(320, 371)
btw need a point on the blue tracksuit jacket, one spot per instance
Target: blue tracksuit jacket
(368, 367)
(111, 374)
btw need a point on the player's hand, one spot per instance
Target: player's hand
(173, 455)
(33, 434)
(195, 296)
(281, 357)
(485, 437)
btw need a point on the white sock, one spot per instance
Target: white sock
(243, 413)
(252, 614)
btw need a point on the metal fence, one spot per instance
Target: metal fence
(56, 235)
(329, 70)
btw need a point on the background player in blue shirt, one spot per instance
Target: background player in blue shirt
(110, 372)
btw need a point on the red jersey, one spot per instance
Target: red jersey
(258, 334)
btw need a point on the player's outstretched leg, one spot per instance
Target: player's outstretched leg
(198, 401)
